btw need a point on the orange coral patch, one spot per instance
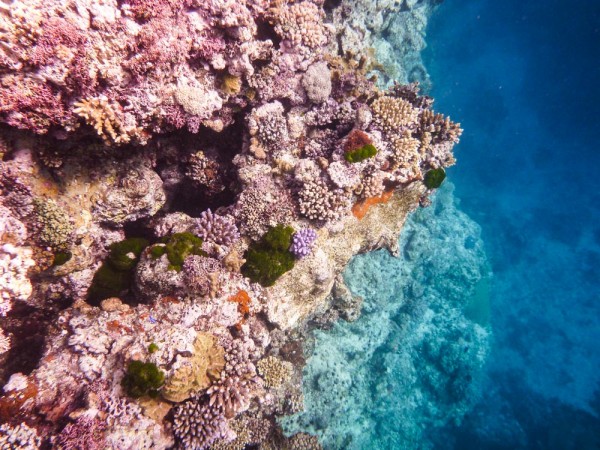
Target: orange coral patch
(114, 325)
(243, 300)
(360, 208)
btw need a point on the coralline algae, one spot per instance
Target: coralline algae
(196, 129)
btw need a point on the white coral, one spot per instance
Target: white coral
(14, 284)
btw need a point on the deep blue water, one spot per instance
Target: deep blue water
(523, 78)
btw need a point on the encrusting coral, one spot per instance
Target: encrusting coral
(181, 184)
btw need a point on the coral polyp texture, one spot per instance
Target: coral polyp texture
(181, 186)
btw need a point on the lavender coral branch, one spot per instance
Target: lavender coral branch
(302, 242)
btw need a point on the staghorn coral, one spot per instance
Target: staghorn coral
(216, 228)
(99, 113)
(274, 371)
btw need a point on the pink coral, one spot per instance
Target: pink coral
(86, 433)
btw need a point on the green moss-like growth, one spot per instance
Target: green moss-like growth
(108, 282)
(124, 255)
(278, 238)
(360, 154)
(152, 348)
(157, 251)
(115, 275)
(434, 178)
(180, 246)
(61, 258)
(270, 258)
(143, 379)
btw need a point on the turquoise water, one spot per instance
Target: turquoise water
(484, 334)
(522, 77)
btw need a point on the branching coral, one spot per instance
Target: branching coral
(197, 425)
(216, 228)
(302, 242)
(99, 113)
(86, 432)
(394, 115)
(303, 441)
(19, 437)
(301, 25)
(318, 202)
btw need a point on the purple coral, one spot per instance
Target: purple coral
(218, 229)
(302, 242)
(86, 432)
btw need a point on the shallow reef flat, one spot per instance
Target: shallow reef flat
(182, 186)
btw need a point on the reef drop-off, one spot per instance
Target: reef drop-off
(182, 184)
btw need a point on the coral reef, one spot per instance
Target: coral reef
(411, 360)
(181, 186)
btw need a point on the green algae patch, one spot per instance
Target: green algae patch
(360, 154)
(270, 258)
(124, 255)
(152, 348)
(178, 247)
(61, 258)
(157, 251)
(143, 379)
(114, 276)
(434, 178)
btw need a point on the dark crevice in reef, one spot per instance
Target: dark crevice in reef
(330, 5)
(186, 196)
(265, 32)
(28, 327)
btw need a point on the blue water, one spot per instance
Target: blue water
(523, 78)
(484, 333)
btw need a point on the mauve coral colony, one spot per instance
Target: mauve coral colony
(198, 125)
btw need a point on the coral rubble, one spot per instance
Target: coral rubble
(181, 185)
